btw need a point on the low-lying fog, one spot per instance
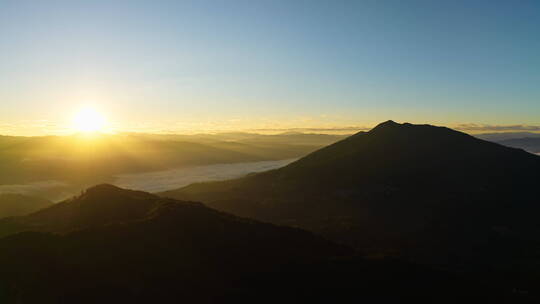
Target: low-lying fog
(151, 181)
(176, 178)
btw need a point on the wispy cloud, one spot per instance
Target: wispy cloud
(341, 130)
(319, 124)
(496, 128)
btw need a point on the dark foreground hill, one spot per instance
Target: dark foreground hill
(111, 245)
(426, 193)
(12, 204)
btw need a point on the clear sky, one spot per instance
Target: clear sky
(198, 65)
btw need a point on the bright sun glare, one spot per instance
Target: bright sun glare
(88, 120)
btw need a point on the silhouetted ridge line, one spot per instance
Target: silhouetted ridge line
(108, 189)
(386, 125)
(425, 192)
(110, 245)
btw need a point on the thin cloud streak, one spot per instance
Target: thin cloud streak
(496, 128)
(352, 129)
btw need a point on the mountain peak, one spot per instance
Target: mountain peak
(108, 190)
(422, 133)
(99, 205)
(387, 125)
(103, 188)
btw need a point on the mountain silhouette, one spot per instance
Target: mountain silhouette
(110, 240)
(105, 205)
(427, 193)
(111, 245)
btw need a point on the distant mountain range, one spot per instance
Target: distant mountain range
(96, 159)
(495, 137)
(531, 144)
(425, 193)
(12, 204)
(527, 141)
(111, 245)
(77, 162)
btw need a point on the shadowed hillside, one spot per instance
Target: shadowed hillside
(426, 193)
(115, 240)
(115, 246)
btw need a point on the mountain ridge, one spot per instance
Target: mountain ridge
(402, 189)
(166, 250)
(184, 251)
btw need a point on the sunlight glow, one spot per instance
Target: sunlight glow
(88, 120)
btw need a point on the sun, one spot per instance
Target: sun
(88, 120)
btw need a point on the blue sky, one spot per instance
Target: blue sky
(178, 65)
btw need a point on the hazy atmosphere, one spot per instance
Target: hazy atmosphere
(159, 66)
(269, 151)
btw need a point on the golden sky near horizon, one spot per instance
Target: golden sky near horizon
(192, 66)
(88, 119)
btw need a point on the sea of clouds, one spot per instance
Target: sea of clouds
(151, 181)
(176, 178)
